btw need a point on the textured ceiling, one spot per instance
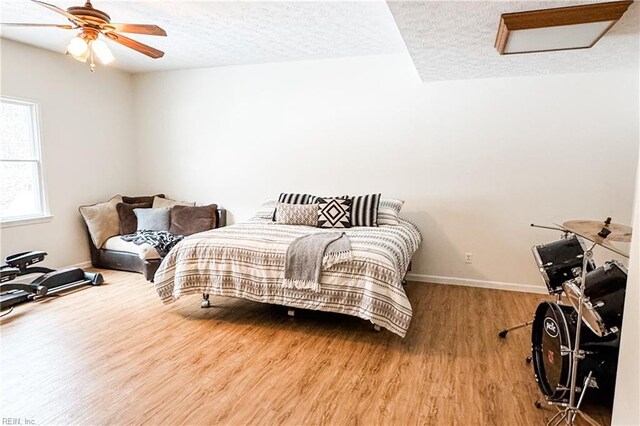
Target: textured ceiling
(209, 34)
(454, 40)
(446, 39)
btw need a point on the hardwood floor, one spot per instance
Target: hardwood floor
(115, 355)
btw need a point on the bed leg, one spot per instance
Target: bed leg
(404, 279)
(291, 312)
(205, 301)
(377, 328)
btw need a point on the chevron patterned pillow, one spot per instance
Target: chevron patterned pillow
(334, 212)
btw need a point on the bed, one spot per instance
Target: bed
(246, 260)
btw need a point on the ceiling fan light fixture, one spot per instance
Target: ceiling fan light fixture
(102, 51)
(77, 47)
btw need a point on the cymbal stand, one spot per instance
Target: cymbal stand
(564, 414)
(573, 408)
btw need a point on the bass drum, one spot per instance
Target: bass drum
(554, 331)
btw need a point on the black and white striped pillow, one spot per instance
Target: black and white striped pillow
(288, 198)
(364, 210)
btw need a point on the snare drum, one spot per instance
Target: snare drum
(560, 261)
(604, 291)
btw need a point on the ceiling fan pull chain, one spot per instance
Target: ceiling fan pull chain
(92, 64)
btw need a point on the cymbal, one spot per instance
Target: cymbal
(592, 228)
(596, 231)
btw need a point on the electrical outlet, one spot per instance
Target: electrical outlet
(468, 258)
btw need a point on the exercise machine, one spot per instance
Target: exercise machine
(50, 281)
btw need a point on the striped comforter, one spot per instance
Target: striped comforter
(246, 260)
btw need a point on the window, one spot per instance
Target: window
(21, 186)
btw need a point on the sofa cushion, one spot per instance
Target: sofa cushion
(144, 251)
(153, 219)
(167, 202)
(102, 220)
(128, 219)
(186, 220)
(144, 199)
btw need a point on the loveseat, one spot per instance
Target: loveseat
(116, 253)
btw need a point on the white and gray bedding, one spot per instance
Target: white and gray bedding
(247, 260)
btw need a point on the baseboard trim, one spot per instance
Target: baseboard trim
(495, 285)
(82, 265)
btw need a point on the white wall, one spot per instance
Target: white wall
(88, 151)
(626, 410)
(476, 161)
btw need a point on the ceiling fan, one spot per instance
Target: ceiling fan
(92, 23)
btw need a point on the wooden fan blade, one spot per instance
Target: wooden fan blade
(11, 24)
(63, 12)
(153, 30)
(135, 45)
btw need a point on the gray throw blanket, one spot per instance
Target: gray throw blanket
(308, 255)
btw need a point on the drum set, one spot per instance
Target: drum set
(568, 359)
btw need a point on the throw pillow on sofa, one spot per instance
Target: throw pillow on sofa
(167, 202)
(102, 220)
(128, 219)
(144, 199)
(187, 220)
(153, 219)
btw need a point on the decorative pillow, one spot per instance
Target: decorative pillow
(159, 202)
(389, 212)
(187, 220)
(289, 198)
(297, 214)
(364, 210)
(334, 213)
(153, 219)
(128, 219)
(102, 220)
(144, 199)
(267, 209)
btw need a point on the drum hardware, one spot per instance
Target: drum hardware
(573, 408)
(564, 414)
(533, 225)
(503, 334)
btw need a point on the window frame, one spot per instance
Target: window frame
(43, 214)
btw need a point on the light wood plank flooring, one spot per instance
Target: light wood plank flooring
(115, 355)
